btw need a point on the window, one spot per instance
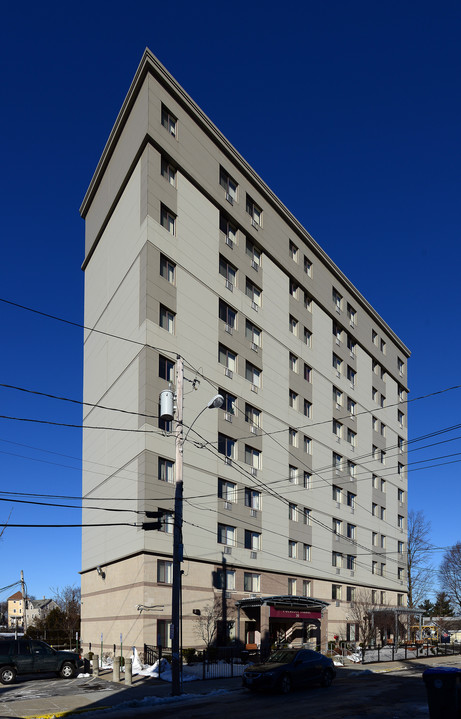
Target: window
(166, 470)
(293, 362)
(168, 172)
(351, 468)
(306, 588)
(306, 552)
(383, 485)
(251, 582)
(400, 443)
(337, 299)
(400, 495)
(307, 373)
(166, 522)
(294, 289)
(306, 516)
(307, 480)
(336, 559)
(400, 468)
(336, 493)
(230, 185)
(293, 250)
(293, 474)
(293, 512)
(225, 579)
(253, 457)
(307, 337)
(350, 594)
(383, 541)
(167, 219)
(351, 314)
(382, 429)
(401, 393)
(293, 399)
(374, 481)
(383, 347)
(230, 402)
(351, 531)
(336, 591)
(337, 428)
(337, 332)
(292, 549)
(226, 535)
(227, 490)
(227, 358)
(374, 538)
(374, 509)
(337, 397)
(307, 445)
(165, 368)
(400, 418)
(252, 540)
(337, 526)
(400, 366)
(383, 574)
(382, 513)
(226, 446)
(164, 572)
(169, 121)
(254, 211)
(400, 521)
(400, 547)
(293, 325)
(351, 437)
(228, 271)
(307, 266)
(374, 337)
(351, 497)
(337, 459)
(252, 415)
(253, 292)
(307, 302)
(253, 334)
(252, 498)
(163, 633)
(374, 451)
(400, 573)
(291, 587)
(167, 269)
(374, 570)
(254, 254)
(307, 409)
(229, 230)
(382, 456)
(400, 600)
(227, 314)
(351, 375)
(350, 562)
(351, 345)
(374, 394)
(293, 437)
(382, 400)
(166, 319)
(253, 374)
(337, 362)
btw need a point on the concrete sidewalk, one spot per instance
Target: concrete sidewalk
(112, 695)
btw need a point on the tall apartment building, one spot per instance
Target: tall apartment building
(295, 491)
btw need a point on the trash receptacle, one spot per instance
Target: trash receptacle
(443, 686)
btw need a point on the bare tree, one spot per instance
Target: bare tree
(68, 601)
(419, 572)
(450, 574)
(209, 622)
(360, 613)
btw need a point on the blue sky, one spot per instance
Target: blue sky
(349, 111)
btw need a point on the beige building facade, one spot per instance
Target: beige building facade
(297, 486)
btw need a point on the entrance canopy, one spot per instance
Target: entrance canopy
(287, 606)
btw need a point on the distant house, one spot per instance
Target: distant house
(37, 609)
(16, 610)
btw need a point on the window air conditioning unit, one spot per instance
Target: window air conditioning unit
(254, 346)
(254, 430)
(254, 265)
(228, 372)
(227, 505)
(254, 388)
(253, 555)
(253, 513)
(254, 471)
(228, 329)
(254, 224)
(254, 307)
(229, 198)
(229, 285)
(227, 550)
(227, 417)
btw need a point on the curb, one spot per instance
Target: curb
(67, 713)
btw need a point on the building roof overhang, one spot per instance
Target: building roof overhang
(284, 601)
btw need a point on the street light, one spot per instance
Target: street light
(166, 410)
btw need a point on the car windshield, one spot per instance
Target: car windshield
(282, 656)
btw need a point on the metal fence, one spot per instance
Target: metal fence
(214, 663)
(406, 652)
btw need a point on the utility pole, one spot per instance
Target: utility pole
(177, 535)
(24, 603)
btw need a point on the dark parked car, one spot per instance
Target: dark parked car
(289, 668)
(27, 656)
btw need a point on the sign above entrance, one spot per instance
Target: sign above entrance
(290, 614)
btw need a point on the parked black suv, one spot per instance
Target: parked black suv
(27, 656)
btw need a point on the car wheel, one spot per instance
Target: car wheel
(327, 678)
(67, 670)
(285, 684)
(7, 675)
